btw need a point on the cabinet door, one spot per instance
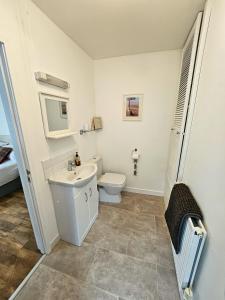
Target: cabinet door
(93, 199)
(82, 214)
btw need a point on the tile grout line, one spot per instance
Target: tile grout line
(133, 212)
(133, 257)
(85, 282)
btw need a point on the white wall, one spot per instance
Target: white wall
(156, 76)
(205, 165)
(34, 43)
(4, 130)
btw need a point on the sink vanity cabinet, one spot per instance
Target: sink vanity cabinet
(76, 209)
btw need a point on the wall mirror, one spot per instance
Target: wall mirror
(55, 115)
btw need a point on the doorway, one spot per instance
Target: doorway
(21, 237)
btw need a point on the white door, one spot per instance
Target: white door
(186, 79)
(93, 199)
(10, 108)
(82, 214)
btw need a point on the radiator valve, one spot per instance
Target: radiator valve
(188, 295)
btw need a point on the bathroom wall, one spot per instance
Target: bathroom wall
(205, 165)
(34, 43)
(156, 76)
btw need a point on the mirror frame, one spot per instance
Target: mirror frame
(57, 133)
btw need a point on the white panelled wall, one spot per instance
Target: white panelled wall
(155, 75)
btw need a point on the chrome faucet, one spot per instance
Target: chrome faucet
(71, 165)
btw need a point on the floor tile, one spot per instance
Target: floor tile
(142, 222)
(108, 237)
(161, 227)
(123, 275)
(124, 219)
(11, 218)
(143, 248)
(72, 260)
(16, 261)
(167, 284)
(150, 206)
(128, 203)
(6, 290)
(115, 216)
(164, 255)
(126, 256)
(140, 203)
(6, 226)
(47, 283)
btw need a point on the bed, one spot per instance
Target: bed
(9, 176)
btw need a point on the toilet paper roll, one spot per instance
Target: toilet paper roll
(135, 155)
(85, 127)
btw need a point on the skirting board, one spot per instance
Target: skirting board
(144, 191)
(53, 243)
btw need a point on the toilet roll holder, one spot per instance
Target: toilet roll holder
(135, 156)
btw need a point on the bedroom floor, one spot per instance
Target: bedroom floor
(18, 250)
(126, 255)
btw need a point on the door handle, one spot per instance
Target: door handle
(90, 190)
(28, 175)
(86, 195)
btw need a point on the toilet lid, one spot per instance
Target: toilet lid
(112, 179)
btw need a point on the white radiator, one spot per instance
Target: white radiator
(186, 261)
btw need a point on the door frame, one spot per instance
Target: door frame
(13, 120)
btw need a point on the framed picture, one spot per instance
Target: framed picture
(132, 107)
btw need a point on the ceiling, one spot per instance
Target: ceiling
(108, 28)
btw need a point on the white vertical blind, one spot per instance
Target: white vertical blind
(183, 87)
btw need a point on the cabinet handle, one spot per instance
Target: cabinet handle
(90, 189)
(86, 197)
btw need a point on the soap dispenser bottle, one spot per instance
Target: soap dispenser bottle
(77, 159)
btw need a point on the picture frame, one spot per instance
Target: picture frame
(132, 107)
(56, 116)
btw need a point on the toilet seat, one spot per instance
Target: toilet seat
(112, 180)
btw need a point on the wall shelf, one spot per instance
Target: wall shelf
(82, 131)
(61, 136)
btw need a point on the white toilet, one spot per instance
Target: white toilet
(110, 184)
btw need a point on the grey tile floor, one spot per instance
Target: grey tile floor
(18, 249)
(126, 255)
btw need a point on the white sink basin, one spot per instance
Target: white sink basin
(79, 177)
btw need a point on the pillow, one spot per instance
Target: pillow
(4, 153)
(2, 144)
